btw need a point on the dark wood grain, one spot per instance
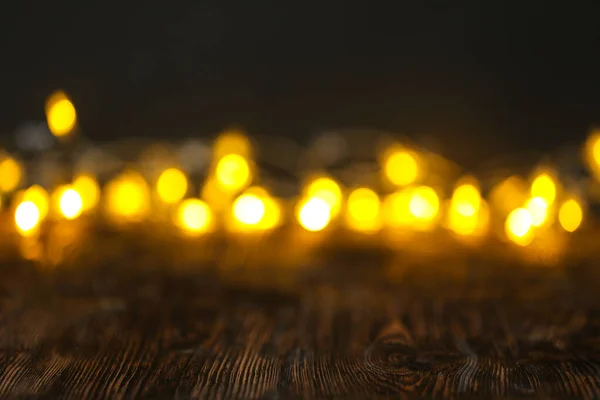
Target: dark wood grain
(133, 324)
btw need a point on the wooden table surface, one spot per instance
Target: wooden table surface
(134, 324)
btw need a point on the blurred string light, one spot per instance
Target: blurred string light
(526, 208)
(27, 218)
(194, 216)
(60, 114)
(538, 210)
(88, 189)
(327, 189)
(401, 166)
(172, 185)
(10, 174)
(518, 227)
(396, 209)
(570, 215)
(233, 173)
(591, 152)
(363, 210)
(424, 206)
(314, 214)
(255, 210)
(544, 185)
(468, 213)
(127, 197)
(70, 203)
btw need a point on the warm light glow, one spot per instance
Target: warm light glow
(327, 189)
(544, 186)
(38, 196)
(88, 189)
(518, 227)
(363, 210)
(424, 203)
(172, 185)
(570, 215)
(10, 174)
(538, 209)
(233, 172)
(249, 209)
(592, 152)
(194, 216)
(401, 167)
(71, 204)
(466, 199)
(60, 114)
(232, 142)
(128, 197)
(396, 209)
(314, 214)
(476, 224)
(27, 218)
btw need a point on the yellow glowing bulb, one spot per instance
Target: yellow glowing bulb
(232, 142)
(233, 172)
(27, 218)
(127, 197)
(172, 185)
(60, 114)
(538, 209)
(363, 209)
(272, 215)
(249, 209)
(544, 186)
(466, 199)
(328, 190)
(424, 203)
(194, 216)
(570, 215)
(71, 204)
(88, 188)
(518, 226)
(38, 196)
(10, 174)
(314, 214)
(401, 168)
(396, 209)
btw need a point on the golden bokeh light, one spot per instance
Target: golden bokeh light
(314, 214)
(27, 218)
(38, 196)
(424, 203)
(233, 172)
(10, 174)
(363, 210)
(570, 215)
(172, 185)
(544, 186)
(592, 152)
(518, 227)
(466, 198)
(128, 197)
(249, 209)
(396, 209)
(88, 189)
(232, 142)
(194, 216)
(538, 210)
(70, 203)
(327, 189)
(60, 114)
(401, 167)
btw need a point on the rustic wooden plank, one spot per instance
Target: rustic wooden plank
(153, 330)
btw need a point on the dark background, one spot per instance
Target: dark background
(484, 79)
